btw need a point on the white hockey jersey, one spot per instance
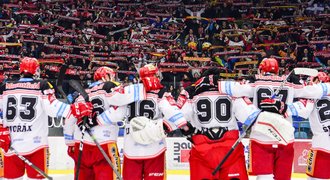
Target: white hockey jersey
(104, 96)
(211, 109)
(158, 106)
(265, 86)
(320, 124)
(26, 105)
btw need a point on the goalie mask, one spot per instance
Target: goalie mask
(29, 67)
(149, 75)
(105, 73)
(268, 65)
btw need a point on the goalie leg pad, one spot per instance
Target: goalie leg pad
(274, 126)
(146, 131)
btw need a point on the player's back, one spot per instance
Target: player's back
(212, 109)
(24, 113)
(150, 108)
(320, 124)
(98, 93)
(266, 86)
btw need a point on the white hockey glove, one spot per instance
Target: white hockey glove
(146, 131)
(274, 126)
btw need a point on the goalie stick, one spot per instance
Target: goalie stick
(29, 163)
(75, 85)
(300, 71)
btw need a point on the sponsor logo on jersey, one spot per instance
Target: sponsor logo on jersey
(20, 128)
(27, 85)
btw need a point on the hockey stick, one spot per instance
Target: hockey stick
(59, 84)
(75, 85)
(60, 78)
(233, 147)
(300, 71)
(29, 163)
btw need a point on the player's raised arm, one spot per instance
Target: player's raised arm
(314, 90)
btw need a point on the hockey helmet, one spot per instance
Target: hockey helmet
(104, 72)
(29, 66)
(149, 75)
(269, 65)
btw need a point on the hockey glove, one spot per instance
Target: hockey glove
(273, 105)
(81, 109)
(4, 138)
(146, 131)
(191, 130)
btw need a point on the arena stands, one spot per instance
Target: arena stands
(182, 37)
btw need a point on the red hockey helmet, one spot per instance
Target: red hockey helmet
(149, 75)
(29, 66)
(322, 76)
(269, 65)
(104, 72)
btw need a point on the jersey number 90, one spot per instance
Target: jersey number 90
(207, 109)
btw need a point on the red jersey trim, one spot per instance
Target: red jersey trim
(146, 157)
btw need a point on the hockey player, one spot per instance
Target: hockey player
(213, 115)
(104, 93)
(271, 157)
(144, 143)
(319, 154)
(26, 105)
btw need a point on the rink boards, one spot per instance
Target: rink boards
(177, 156)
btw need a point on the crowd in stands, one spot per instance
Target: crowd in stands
(182, 37)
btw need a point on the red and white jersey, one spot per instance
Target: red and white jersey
(320, 124)
(26, 105)
(211, 109)
(104, 96)
(265, 86)
(159, 106)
